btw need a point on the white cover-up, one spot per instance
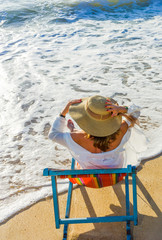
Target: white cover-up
(127, 152)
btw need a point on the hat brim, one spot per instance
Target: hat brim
(99, 128)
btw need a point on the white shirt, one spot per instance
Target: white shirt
(127, 152)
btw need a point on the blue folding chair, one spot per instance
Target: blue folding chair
(129, 171)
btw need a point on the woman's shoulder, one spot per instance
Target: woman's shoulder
(86, 143)
(77, 136)
(80, 138)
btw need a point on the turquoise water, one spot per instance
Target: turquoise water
(54, 51)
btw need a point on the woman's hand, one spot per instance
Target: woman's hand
(114, 109)
(66, 109)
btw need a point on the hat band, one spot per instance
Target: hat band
(97, 116)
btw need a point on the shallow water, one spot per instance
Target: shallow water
(54, 51)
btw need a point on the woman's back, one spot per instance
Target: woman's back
(87, 143)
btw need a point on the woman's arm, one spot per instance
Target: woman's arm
(57, 131)
(129, 113)
(115, 109)
(66, 109)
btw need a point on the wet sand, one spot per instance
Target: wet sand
(37, 222)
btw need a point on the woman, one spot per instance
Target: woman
(109, 136)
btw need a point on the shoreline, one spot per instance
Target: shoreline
(36, 222)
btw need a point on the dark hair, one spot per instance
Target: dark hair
(103, 142)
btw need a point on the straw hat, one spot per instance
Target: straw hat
(92, 117)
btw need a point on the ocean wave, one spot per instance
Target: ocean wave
(71, 11)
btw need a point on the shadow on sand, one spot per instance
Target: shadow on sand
(147, 226)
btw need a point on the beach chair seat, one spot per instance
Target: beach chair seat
(94, 178)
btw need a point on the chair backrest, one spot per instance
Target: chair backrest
(96, 180)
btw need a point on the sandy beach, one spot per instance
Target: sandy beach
(37, 222)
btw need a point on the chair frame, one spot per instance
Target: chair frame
(130, 171)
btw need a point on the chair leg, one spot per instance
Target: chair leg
(134, 197)
(129, 236)
(55, 202)
(68, 203)
(65, 232)
(128, 230)
(67, 209)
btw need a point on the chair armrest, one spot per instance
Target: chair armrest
(73, 173)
